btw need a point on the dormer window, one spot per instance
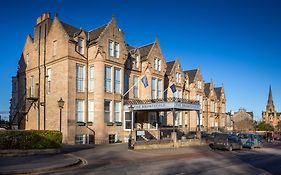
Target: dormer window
(136, 62)
(157, 64)
(178, 77)
(81, 45)
(113, 49)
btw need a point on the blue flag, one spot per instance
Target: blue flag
(144, 81)
(173, 88)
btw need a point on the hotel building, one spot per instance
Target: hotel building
(110, 90)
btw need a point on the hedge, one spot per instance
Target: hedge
(30, 139)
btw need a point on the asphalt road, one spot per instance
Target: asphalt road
(116, 159)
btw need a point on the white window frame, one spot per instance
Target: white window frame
(91, 108)
(155, 63)
(159, 88)
(117, 83)
(108, 79)
(116, 50)
(136, 86)
(117, 113)
(80, 78)
(128, 120)
(80, 111)
(110, 111)
(111, 48)
(154, 90)
(91, 78)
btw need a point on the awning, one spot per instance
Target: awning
(165, 104)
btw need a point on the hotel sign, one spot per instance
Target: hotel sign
(167, 105)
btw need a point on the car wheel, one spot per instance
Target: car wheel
(230, 148)
(241, 147)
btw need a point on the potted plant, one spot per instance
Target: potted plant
(80, 123)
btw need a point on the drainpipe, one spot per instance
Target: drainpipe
(45, 33)
(39, 75)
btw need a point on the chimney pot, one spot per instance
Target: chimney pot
(39, 19)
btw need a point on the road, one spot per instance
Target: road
(116, 159)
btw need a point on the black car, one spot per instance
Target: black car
(227, 141)
(191, 135)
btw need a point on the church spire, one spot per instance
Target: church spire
(270, 105)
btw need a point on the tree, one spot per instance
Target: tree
(262, 126)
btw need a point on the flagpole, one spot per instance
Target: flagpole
(133, 86)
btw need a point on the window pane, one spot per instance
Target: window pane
(116, 50)
(128, 120)
(80, 110)
(91, 78)
(110, 48)
(117, 81)
(91, 111)
(136, 87)
(117, 117)
(107, 115)
(107, 79)
(80, 77)
(159, 89)
(153, 88)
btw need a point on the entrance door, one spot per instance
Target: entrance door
(152, 119)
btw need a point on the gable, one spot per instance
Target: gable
(156, 52)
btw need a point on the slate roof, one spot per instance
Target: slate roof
(191, 74)
(70, 30)
(170, 66)
(129, 48)
(218, 92)
(144, 51)
(207, 89)
(95, 33)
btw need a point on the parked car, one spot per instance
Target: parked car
(204, 135)
(191, 135)
(251, 141)
(277, 137)
(210, 138)
(227, 141)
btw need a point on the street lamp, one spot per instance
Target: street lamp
(131, 109)
(60, 104)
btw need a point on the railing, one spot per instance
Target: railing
(159, 100)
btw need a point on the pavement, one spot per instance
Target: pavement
(73, 159)
(42, 163)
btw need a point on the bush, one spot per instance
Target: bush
(31, 139)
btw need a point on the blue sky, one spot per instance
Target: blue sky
(235, 42)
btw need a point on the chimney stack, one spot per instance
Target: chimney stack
(43, 17)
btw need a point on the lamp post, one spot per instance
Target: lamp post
(131, 109)
(60, 104)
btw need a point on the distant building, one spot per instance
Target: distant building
(243, 121)
(270, 115)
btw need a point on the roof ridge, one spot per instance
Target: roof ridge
(97, 28)
(145, 45)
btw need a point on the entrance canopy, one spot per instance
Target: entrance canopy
(163, 104)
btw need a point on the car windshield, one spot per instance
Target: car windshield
(244, 136)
